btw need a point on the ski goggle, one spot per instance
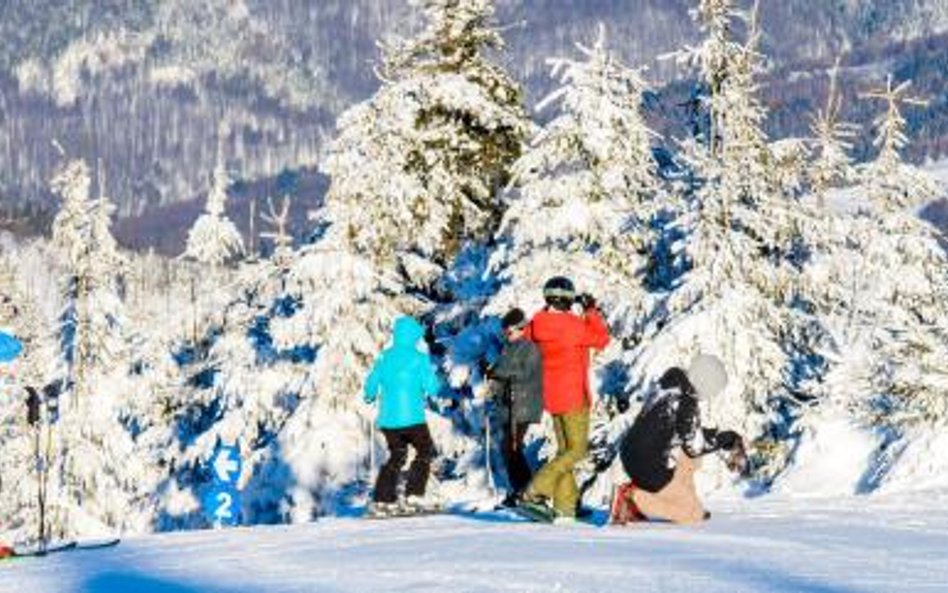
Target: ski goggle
(559, 293)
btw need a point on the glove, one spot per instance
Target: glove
(586, 301)
(729, 440)
(33, 406)
(481, 391)
(622, 404)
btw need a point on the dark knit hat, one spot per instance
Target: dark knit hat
(514, 319)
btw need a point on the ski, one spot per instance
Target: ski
(402, 513)
(34, 551)
(98, 544)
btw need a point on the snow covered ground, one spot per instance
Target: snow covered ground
(842, 545)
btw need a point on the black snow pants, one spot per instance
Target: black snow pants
(518, 471)
(398, 440)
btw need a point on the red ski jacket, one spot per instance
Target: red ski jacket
(564, 340)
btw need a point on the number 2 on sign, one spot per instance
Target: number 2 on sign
(223, 509)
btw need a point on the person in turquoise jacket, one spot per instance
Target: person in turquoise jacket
(10, 347)
(401, 379)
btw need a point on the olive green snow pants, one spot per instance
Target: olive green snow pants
(555, 479)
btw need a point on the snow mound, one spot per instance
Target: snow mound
(921, 465)
(831, 461)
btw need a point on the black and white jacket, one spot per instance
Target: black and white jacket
(669, 421)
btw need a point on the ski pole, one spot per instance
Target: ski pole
(40, 494)
(45, 460)
(51, 395)
(33, 417)
(371, 450)
(487, 447)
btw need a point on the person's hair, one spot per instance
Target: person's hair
(676, 378)
(514, 319)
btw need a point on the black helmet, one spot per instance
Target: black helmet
(559, 292)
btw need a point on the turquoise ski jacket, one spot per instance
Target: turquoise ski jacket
(402, 377)
(10, 347)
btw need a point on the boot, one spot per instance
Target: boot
(378, 510)
(623, 510)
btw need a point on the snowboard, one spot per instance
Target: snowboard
(543, 514)
(535, 512)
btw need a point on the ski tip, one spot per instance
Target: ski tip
(98, 544)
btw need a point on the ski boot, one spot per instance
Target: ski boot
(382, 510)
(419, 505)
(536, 509)
(623, 510)
(511, 500)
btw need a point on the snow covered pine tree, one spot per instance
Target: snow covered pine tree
(735, 233)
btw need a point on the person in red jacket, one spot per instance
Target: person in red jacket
(565, 340)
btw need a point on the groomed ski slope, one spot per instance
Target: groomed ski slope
(851, 545)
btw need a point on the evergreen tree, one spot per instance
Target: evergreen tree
(584, 190)
(414, 172)
(338, 304)
(215, 354)
(890, 181)
(886, 336)
(832, 140)
(90, 332)
(346, 307)
(19, 471)
(430, 149)
(214, 239)
(826, 231)
(241, 385)
(901, 317)
(93, 480)
(735, 235)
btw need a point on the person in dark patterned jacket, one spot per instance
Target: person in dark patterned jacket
(661, 451)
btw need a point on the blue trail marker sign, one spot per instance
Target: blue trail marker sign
(222, 506)
(222, 502)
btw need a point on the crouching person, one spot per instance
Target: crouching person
(661, 451)
(401, 379)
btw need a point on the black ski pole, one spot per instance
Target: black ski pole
(33, 416)
(511, 422)
(51, 394)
